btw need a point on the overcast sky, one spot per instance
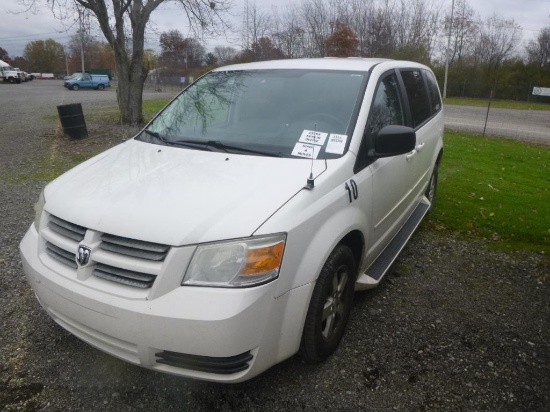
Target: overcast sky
(16, 30)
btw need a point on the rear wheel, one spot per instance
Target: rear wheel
(330, 306)
(100, 87)
(75, 87)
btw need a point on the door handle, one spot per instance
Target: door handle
(419, 146)
(410, 155)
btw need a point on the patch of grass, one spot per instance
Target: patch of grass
(495, 189)
(500, 104)
(112, 113)
(45, 168)
(152, 107)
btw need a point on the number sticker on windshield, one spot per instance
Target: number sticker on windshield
(336, 143)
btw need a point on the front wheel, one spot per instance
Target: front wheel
(431, 190)
(330, 306)
(75, 87)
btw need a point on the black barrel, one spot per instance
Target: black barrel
(72, 120)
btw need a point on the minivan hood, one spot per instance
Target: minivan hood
(176, 196)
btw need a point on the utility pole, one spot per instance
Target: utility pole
(66, 62)
(447, 51)
(82, 52)
(82, 34)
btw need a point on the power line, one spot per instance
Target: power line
(31, 35)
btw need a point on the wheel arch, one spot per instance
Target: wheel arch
(310, 244)
(294, 314)
(355, 241)
(439, 157)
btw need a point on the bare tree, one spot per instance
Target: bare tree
(381, 30)
(123, 23)
(225, 54)
(464, 31)
(288, 33)
(359, 23)
(538, 51)
(318, 18)
(498, 41)
(257, 24)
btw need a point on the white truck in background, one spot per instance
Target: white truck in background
(8, 73)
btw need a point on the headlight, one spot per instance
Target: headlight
(239, 263)
(38, 209)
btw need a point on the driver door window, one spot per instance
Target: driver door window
(387, 107)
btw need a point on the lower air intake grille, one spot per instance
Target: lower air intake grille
(123, 276)
(224, 366)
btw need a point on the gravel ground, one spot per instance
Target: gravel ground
(454, 326)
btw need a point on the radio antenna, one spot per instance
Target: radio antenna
(310, 184)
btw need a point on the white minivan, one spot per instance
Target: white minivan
(232, 231)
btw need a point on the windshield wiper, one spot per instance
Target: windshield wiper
(212, 145)
(158, 136)
(228, 147)
(193, 144)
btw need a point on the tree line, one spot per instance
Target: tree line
(484, 54)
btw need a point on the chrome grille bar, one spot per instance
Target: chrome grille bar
(134, 248)
(123, 276)
(61, 255)
(66, 229)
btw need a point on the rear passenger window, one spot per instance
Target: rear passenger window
(433, 90)
(418, 96)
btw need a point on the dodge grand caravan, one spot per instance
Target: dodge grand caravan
(232, 231)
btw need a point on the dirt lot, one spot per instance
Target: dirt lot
(454, 326)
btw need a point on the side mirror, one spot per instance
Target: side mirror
(394, 140)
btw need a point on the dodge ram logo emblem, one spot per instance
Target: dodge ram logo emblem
(83, 255)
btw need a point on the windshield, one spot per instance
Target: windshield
(290, 113)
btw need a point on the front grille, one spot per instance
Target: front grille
(126, 277)
(61, 255)
(124, 257)
(67, 229)
(224, 366)
(134, 248)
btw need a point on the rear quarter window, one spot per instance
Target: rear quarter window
(433, 90)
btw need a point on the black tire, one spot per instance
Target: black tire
(75, 87)
(11, 80)
(100, 87)
(330, 306)
(431, 190)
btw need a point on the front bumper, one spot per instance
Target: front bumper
(227, 335)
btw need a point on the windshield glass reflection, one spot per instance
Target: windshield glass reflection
(264, 112)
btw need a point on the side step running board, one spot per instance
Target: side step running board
(380, 266)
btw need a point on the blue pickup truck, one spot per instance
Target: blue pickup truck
(87, 81)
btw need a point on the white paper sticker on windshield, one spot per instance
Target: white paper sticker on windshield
(336, 143)
(313, 137)
(308, 151)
